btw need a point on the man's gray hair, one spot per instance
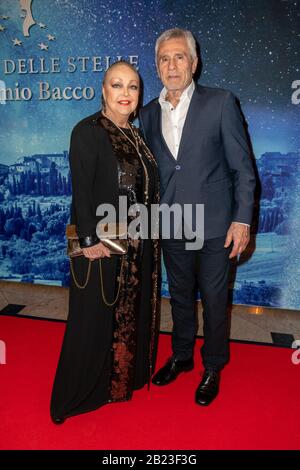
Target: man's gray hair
(177, 33)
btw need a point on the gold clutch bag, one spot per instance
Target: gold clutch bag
(108, 234)
(73, 246)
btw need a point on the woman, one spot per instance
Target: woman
(109, 348)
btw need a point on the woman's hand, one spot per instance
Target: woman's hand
(96, 251)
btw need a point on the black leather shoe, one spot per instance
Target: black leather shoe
(171, 370)
(57, 419)
(208, 388)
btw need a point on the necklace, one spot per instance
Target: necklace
(135, 144)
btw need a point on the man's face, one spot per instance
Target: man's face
(175, 65)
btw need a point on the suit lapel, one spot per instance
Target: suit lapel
(190, 120)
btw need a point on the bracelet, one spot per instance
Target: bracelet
(90, 240)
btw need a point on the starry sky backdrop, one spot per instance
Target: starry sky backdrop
(251, 48)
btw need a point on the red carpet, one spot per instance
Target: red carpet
(258, 407)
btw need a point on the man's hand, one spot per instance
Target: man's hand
(239, 234)
(96, 251)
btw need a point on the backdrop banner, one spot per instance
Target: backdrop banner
(52, 59)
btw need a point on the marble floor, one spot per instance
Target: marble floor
(255, 324)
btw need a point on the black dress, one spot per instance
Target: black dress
(109, 351)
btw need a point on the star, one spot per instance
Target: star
(2, 28)
(16, 42)
(42, 25)
(43, 46)
(50, 37)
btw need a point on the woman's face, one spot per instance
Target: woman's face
(121, 92)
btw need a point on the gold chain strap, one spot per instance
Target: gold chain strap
(110, 304)
(87, 276)
(83, 286)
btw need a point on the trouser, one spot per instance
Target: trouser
(208, 270)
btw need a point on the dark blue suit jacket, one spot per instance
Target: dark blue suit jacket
(213, 166)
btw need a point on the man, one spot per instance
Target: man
(197, 136)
